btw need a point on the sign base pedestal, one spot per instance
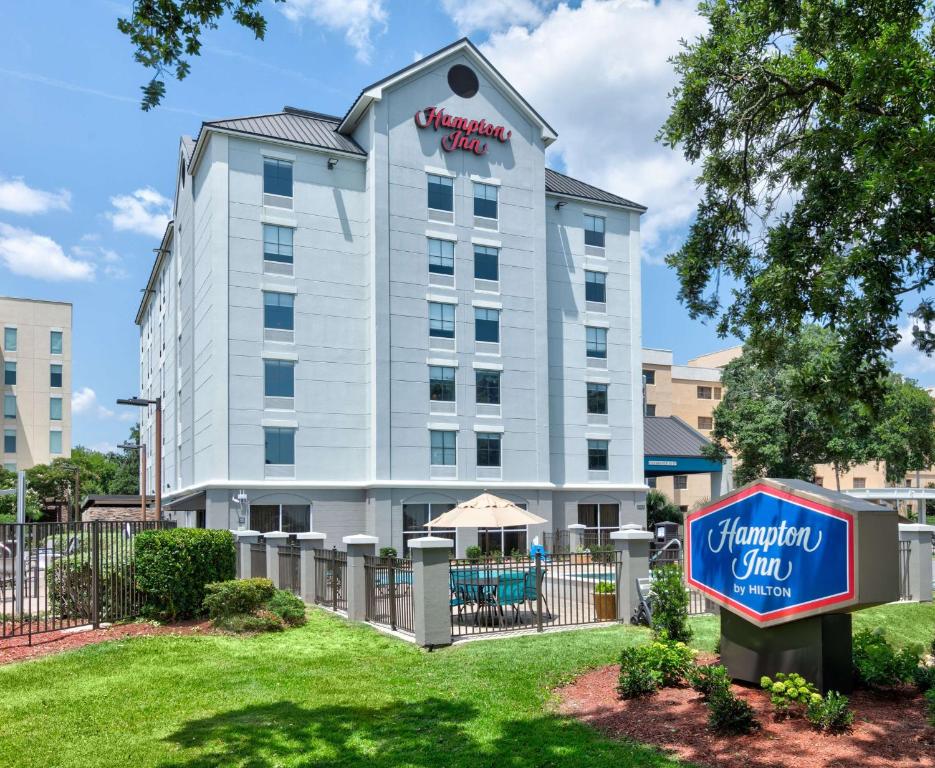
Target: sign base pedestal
(818, 648)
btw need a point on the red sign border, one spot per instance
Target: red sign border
(793, 499)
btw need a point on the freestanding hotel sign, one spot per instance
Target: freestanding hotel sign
(788, 560)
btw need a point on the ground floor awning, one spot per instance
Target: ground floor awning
(672, 447)
(191, 502)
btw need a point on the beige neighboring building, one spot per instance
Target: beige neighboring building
(35, 357)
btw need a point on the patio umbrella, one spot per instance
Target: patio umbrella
(485, 511)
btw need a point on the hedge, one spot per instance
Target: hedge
(174, 565)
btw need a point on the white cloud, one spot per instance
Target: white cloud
(145, 212)
(25, 253)
(600, 75)
(17, 196)
(109, 260)
(910, 361)
(357, 19)
(84, 402)
(493, 15)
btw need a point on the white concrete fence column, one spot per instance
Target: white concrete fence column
(358, 546)
(633, 545)
(309, 543)
(243, 540)
(431, 590)
(919, 564)
(576, 537)
(274, 540)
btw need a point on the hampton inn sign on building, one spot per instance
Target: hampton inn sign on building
(356, 322)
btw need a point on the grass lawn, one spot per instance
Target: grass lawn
(328, 694)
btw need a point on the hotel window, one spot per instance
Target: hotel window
(10, 466)
(485, 200)
(488, 387)
(441, 320)
(486, 263)
(444, 448)
(9, 441)
(651, 482)
(277, 243)
(680, 482)
(598, 521)
(55, 442)
(819, 481)
(705, 422)
(9, 374)
(649, 376)
(860, 482)
(441, 193)
(595, 287)
(55, 342)
(488, 449)
(594, 230)
(649, 409)
(415, 516)
(279, 311)
(597, 398)
(597, 455)
(597, 342)
(9, 406)
(717, 393)
(55, 409)
(442, 383)
(289, 518)
(441, 256)
(704, 393)
(277, 177)
(486, 324)
(278, 378)
(55, 375)
(279, 445)
(506, 541)
(9, 339)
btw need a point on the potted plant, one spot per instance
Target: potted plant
(581, 556)
(473, 553)
(387, 553)
(605, 600)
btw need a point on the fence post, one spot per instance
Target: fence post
(274, 540)
(95, 573)
(308, 543)
(920, 560)
(576, 537)
(243, 540)
(633, 545)
(431, 590)
(358, 546)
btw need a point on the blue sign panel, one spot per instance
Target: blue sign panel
(770, 555)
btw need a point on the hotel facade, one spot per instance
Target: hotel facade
(356, 322)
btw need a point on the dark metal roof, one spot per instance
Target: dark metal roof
(189, 503)
(560, 184)
(188, 147)
(670, 436)
(113, 500)
(295, 125)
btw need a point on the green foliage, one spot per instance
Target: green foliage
(236, 596)
(71, 586)
(287, 607)
(789, 692)
(662, 663)
(728, 713)
(923, 678)
(660, 510)
(813, 124)
(260, 621)
(8, 503)
(165, 32)
(670, 604)
(637, 676)
(173, 566)
(830, 713)
(878, 665)
(930, 705)
(388, 552)
(605, 588)
(707, 679)
(473, 552)
(602, 553)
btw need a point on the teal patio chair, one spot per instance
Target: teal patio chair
(533, 587)
(511, 593)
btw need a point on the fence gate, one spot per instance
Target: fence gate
(258, 558)
(389, 592)
(289, 576)
(331, 579)
(59, 575)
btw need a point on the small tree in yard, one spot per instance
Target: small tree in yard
(670, 606)
(660, 510)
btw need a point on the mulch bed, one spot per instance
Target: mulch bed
(19, 648)
(888, 730)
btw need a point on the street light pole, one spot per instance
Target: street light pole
(142, 402)
(141, 473)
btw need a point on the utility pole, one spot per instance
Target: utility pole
(141, 402)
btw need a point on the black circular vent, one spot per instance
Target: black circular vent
(463, 81)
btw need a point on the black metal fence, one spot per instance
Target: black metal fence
(904, 583)
(389, 592)
(59, 575)
(289, 573)
(556, 590)
(331, 579)
(258, 558)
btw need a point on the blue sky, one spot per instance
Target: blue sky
(85, 175)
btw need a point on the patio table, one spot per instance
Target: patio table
(486, 581)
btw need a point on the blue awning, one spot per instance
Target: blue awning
(663, 466)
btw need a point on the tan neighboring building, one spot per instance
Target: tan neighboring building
(35, 358)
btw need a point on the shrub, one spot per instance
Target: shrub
(930, 705)
(637, 677)
(709, 678)
(729, 714)
(671, 661)
(173, 565)
(877, 665)
(287, 607)
(70, 586)
(670, 604)
(605, 588)
(388, 552)
(261, 621)
(923, 678)
(473, 552)
(237, 596)
(830, 714)
(787, 692)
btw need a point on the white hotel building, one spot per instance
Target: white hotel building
(359, 321)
